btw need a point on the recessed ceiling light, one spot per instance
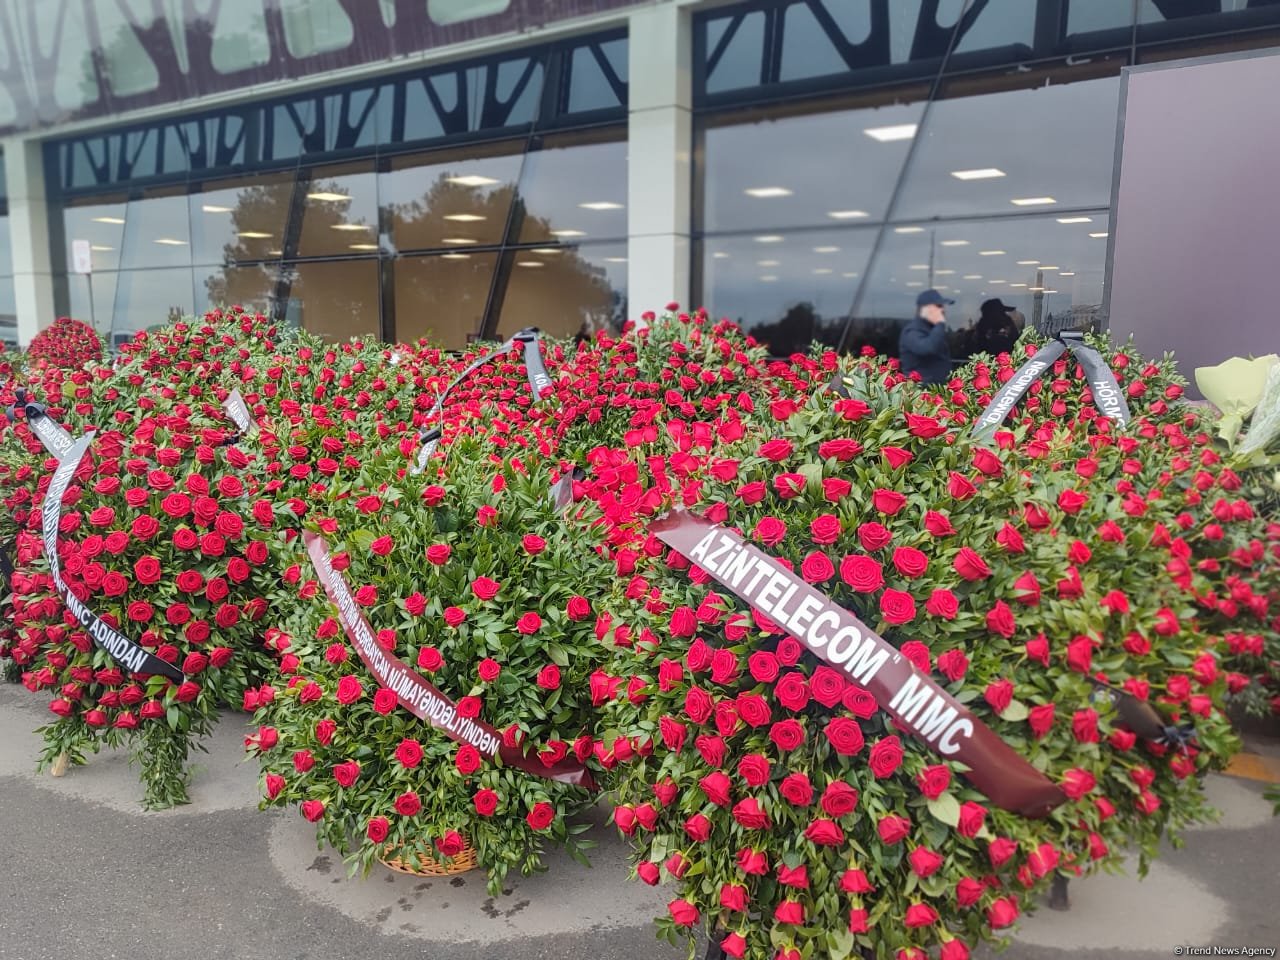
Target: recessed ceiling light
(994, 282)
(568, 233)
(459, 241)
(530, 263)
(472, 180)
(918, 266)
(615, 259)
(720, 255)
(972, 276)
(349, 226)
(1075, 219)
(847, 214)
(914, 283)
(767, 263)
(214, 208)
(1035, 288)
(944, 273)
(275, 253)
(1027, 263)
(900, 131)
(464, 217)
(253, 235)
(848, 274)
(550, 251)
(1051, 291)
(455, 256)
(100, 248)
(1067, 274)
(908, 229)
(826, 249)
(764, 192)
(942, 286)
(768, 238)
(108, 220)
(171, 242)
(821, 269)
(991, 253)
(331, 197)
(1043, 267)
(1017, 284)
(981, 173)
(768, 278)
(363, 246)
(955, 243)
(601, 205)
(1032, 201)
(1098, 235)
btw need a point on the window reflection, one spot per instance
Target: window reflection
(252, 287)
(573, 189)
(240, 220)
(101, 222)
(985, 154)
(787, 292)
(566, 291)
(452, 200)
(6, 245)
(145, 299)
(157, 231)
(99, 313)
(442, 297)
(340, 213)
(336, 300)
(828, 168)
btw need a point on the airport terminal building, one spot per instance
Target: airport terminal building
(464, 168)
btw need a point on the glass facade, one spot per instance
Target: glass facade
(448, 204)
(850, 156)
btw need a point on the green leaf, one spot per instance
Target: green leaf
(1016, 711)
(945, 807)
(839, 944)
(558, 654)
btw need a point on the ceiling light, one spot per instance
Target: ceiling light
(767, 263)
(349, 226)
(848, 274)
(1043, 267)
(100, 248)
(530, 263)
(972, 276)
(826, 249)
(275, 253)
(1098, 235)
(768, 278)
(1027, 263)
(719, 255)
(991, 253)
(464, 217)
(1075, 219)
(363, 246)
(994, 282)
(847, 214)
(908, 229)
(1067, 274)
(615, 259)
(1017, 284)
(900, 131)
(455, 256)
(108, 220)
(765, 192)
(601, 205)
(942, 287)
(768, 238)
(955, 243)
(1032, 201)
(214, 208)
(171, 242)
(944, 273)
(914, 283)
(1035, 288)
(331, 197)
(821, 269)
(253, 235)
(982, 173)
(568, 233)
(472, 180)
(546, 250)
(460, 241)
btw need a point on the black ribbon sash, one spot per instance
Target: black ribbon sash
(69, 454)
(535, 369)
(1107, 395)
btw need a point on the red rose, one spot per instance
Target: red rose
(1000, 620)
(972, 816)
(1002, 913)
(857, 921)
(861, 572)
(797, 877)
(541, 816)
(1080, 654)
(489, 669)
(407, 804)
(711, 748)
(859, 702)
(835, 489)
(971, 566)
(698, 704)
(925, 862)
(349, 690)
(578, 608)
(824, 833)
(409, 753)
(533, 544)
(754, 768)
(429, 659)
(485, 801)
(1072, 501)
(698, 828)
(797, 789)
(960, 487)
(920, 915)
(733, 896)
(770, 531)
(549, 677)
(749, 814)
(839, 799)
(467, 759)
(346, 773)
(1084, 726)
(789, 911)
(1000, 850)
(825, 528)
(313, 810)
(827, 686)
(845, 736)
(999, 694)
(910, 562)
(147, 570)
(716, 786)
(787, 735)
(855, 881)
(934, 780)
(274, 784)
(873, 536)
(529, 624)
(1041, 719)
(453, 616)
(969, 891)
(752, 862)
(885, 757)
(484, 588)
(385, 700)
(763, 666)
(140, 611)
(683, 913)
(938, 524)
(792, 691)
(897, 607)
(887, 502)
(817, 568)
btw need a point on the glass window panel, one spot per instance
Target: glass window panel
(1055, 142)
(1150, 11)
(6, 247)
(807, 50)
(128, 66)
(314, 26)
(157, 232)
(448, 199)
(240, 220)
(8, 314)
(336, 300)
(1001, 23)
(340, 215)
(442, 297)
(240, 36)
(148, 298)
(102, 224)
(589, 87)
(740, 63)
(458, 11)
(789, 291)
(573, 190)
(98, 315)
(252, 287)
(1050, 272)
(831, 165)
(1085, 16)
(566, 292)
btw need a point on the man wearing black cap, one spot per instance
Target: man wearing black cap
(922, 346)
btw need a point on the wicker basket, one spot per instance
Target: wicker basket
(429, 865)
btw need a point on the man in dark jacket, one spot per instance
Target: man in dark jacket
(922, 346)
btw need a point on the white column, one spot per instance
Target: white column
(659, 161)
(29, 236)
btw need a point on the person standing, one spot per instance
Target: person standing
(922, 345)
